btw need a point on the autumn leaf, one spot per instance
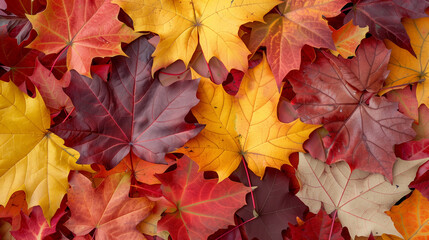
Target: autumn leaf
(276, 206)
(411, 217)
(407, 102)
(20, 60)
(51, 89)
(383, 17)
(405, 68)
(317, 227)
(149, 225)
(244, 126)
(285, 33)
(83, 28)
(39, 159)
(339, 93)
(132, 112)
(360, 198)
(106, 208)
(347, 38)
(185, 24)
(201, 206)
(142, 170)
(13, 209)
(35, 226)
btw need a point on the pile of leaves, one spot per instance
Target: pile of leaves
(223, 119)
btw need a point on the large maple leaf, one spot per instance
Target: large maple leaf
(360, 198)
(106, 208)
(384, 18)
(201, 206)
(276, 206)
(182, 25)
(411, 217)
(84, 28)
(405, 68)
(131, 112)
(244, 125)
(32, 158)
(339, 93)
(285, 33)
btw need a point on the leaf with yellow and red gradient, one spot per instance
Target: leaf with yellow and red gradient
(142, 170)
(297, 23)
(107, 208)
(347, 38)
(340, 94)
(35, 226)
(14, 207)
(85, 29)
(201, 206)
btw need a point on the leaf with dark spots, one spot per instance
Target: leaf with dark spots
(131, 112)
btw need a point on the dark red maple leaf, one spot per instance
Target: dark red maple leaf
(317, 227)
(18, 60)
(384, 18)
(202, 206)
(131, 112)
(276, 206)
(14, 17)
(340, 94)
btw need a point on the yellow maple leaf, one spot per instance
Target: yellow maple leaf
(32, 158)
(181, 25)
(411, 217)
(244, 126)
(405, 68)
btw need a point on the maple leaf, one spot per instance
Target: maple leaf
(359, 198)
(35, 226)
(19, 60)
(407, 102)
(285, 33)
(17, 24)
(244, 125)
(13, 209)
(276, 206)
(411, 217)
(317, 227)
(182, 25)
(201, 206)
(384, 18)
(339, 93)
(405, 68)
(106, 208)
(32, 158)
(132, 112)
(347, 38)
(142, 170)
(85, 29)
(51, 89)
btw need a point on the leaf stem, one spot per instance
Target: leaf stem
(404, 84)
(58, 57)
(250, 184)
(332, 224)
(241, 224)
(68, 115)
